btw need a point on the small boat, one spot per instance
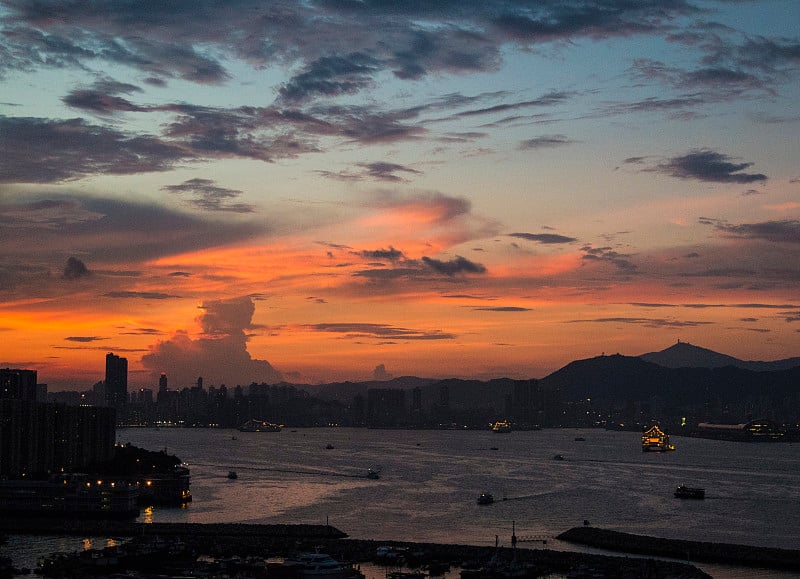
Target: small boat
(580, 439)
(558, 457)
(485, 499)
(232, 475)
(329, 446)
(684, 492)
(373, 474)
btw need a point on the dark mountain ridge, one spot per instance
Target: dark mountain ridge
(682, 380)
(686, 355)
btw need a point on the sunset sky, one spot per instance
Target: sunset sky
(344, 190)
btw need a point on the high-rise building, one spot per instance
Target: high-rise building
(116, 381)
(18, 384)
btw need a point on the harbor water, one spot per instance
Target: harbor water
(430, 479)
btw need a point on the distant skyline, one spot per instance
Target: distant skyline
(339, 190)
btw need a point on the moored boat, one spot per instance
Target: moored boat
(321, 566)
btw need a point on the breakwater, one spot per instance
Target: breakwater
(698, 551)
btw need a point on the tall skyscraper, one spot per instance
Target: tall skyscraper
(18, 384)
(116, 381)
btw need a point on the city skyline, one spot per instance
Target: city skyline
(325, 191)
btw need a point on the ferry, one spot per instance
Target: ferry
(259, 426)
(655, 440)
(501, 426)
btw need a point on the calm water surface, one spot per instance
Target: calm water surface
(430, 480)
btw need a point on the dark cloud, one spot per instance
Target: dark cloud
(261, 134)
(467, 297)
(561, 20)
(75, 269)
(647, 322)
(338, 47)
(98, 103)
(390, 254)
(546, 100)
(544, 142)
(143, 332)
(74, 148)
(723, 82)
(103, 98)
(378, 171)
(708, 165)
(359, 330)
(84, 339)
(139, 295)
(545, 238)
(502, 309)
(455, 266)
(786, 231)
(720, 77)
(331, 76)
(220, 356)
(109, 230)
(679, 108)
(620, 261)
(208, 196)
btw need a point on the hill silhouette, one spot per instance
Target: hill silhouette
(686, 355)
(681, 380)
(613, 381)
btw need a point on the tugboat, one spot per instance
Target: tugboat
(485, 499)
(684, 492)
